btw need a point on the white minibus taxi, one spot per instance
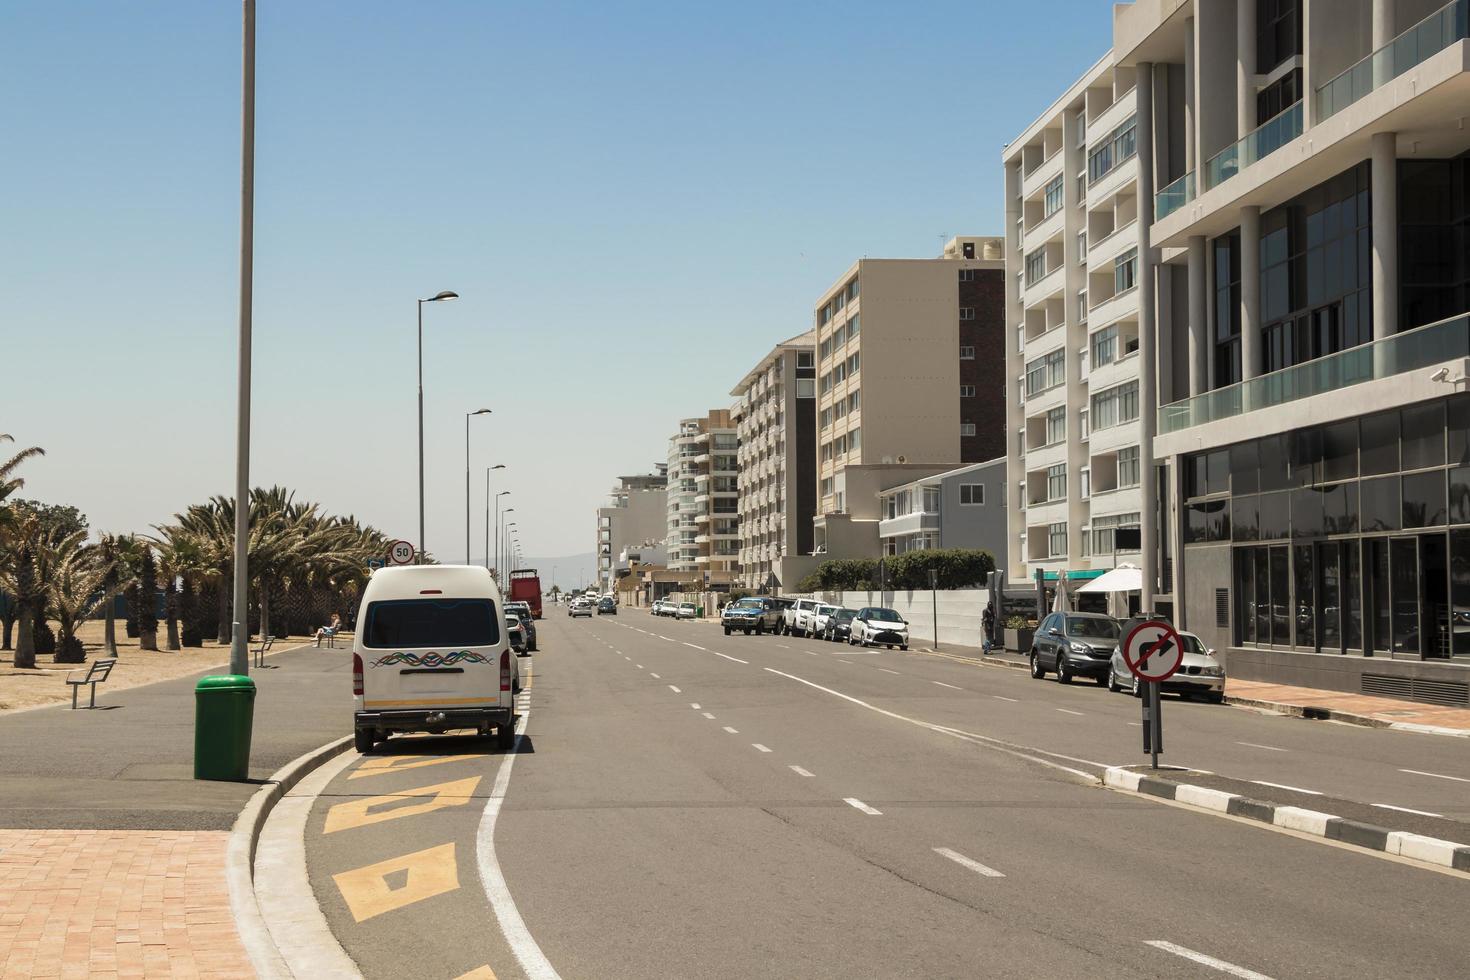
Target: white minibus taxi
(431, 655)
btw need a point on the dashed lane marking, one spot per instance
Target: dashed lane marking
(708, 715)
(887, 671)
(639, 666)
(857, 804)
(675, 689)
(1204, 960)
(695, 646)
(950, 686)
(1069, 711)
(728, 657)
(732, 731)
(759, 747)
(1253, 745)
(1002, 698)
(1294, 789)
(654, 676)
(970, 863)
(694, 705)
(802, 772)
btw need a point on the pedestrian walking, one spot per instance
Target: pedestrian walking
(987, 627)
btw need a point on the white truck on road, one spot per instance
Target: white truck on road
(797, 619)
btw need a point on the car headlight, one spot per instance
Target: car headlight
(1080, 647)
(1212, 671)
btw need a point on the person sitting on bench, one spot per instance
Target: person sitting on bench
(330, 630)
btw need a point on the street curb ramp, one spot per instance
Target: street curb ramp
(240, 857)
(1416, 847)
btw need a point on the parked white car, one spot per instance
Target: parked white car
(877, 626)
(1199, 673)
(797, 619)
(820, 618)
(686, 610)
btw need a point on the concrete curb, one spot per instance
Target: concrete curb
(1430, 850)
(1346, 717)
(240, 857)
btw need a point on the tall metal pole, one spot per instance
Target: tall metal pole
(497, 537)
(467, 487)
(421, 432)
(487, 518)
(240, 637)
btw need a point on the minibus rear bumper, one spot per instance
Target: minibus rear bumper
(433, 719)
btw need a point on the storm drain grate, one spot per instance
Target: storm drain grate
(1452, 693)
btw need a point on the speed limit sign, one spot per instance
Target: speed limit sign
(400, 553)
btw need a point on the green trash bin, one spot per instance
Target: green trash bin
(224, 711)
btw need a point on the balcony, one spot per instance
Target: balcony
(1411, 350)
(1410, 49)
(1261, 142)
(1174, 196)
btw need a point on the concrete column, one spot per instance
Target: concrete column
(1245, 67)
(1148, 402)
(1382, 23)
(1199, 337)
(1191, 140)
(1250, 292)
(1384, 194)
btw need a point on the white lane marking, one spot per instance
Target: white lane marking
(675, 689)
(995, 744)
(887, 671)
(970, 863)
(1136, 724)
(708, 715)
(727, 656)
(639, 666)
(759, 747)
(654, 676)
(732, 731)
(1253, 745)
(1404, 809)
(1294, 789)
(811, 653)
(950, 686)
(1436, 775)
(802, 772)
(694, 706)
(533, 962)
(1002, 698)
(1209, 961)
(783, 646)
(1069, 711)
(860, 805)
(695, 646)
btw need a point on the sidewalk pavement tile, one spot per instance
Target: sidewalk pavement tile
(1381, 709)
(116, 903)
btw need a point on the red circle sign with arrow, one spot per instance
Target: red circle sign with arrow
(1153, 650)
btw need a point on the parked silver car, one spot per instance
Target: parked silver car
(1199, 673)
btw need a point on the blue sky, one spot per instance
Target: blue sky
(635, 200)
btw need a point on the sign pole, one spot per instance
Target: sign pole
(1157, 742)
(934, 595)
(1153, 651)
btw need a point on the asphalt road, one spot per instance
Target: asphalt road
(684, 804)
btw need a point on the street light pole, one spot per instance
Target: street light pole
(467, 417)
(497, 466)
(499, 568)
(442, 295)
(240, 636)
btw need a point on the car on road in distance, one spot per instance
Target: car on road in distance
(607, 605)
(819, 620)
(796, 619)
(432, 653)
(517, 634)
(661, 607)
(687, 610)
(839, 625)
(743, 614)
(1075, 644)
(579, 607)
(1199, 673)
(878, 626)
(523, 610)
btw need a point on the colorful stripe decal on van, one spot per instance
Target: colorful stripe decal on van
(431, 659)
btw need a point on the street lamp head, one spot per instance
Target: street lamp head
(499, 466)
(480, 411)
(445, 294)
(503, 492)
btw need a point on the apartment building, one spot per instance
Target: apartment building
(909, 381)
(775, 420)
(961, 508)
(702, 538)
(635, 516)
(1303, 169)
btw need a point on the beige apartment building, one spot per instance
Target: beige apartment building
(702, 538)
(636, 517)
(775, 420)
(910, 381)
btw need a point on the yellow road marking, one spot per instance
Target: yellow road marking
(478, 973)
(362, 812)
(378, 764)
(430, 872)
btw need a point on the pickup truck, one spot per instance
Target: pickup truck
(743, 615)
(796, 619)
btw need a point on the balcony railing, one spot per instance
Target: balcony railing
(1264, 140)
(1430, 36)
(1174, 196)
(1407, 351)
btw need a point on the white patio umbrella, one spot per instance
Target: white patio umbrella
(1062, 603)
(1117, 583)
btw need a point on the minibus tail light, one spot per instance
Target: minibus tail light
(505, 669)
(357, 674)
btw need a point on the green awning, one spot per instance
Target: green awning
(1076, 575)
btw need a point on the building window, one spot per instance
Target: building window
(1056, 482)
(1116, 148)
(1125, 271)
(852, 290)
(1278, 32)
(1046, 372)
(854, 440)
(967, 391)
(1082, 246)
(825, 350)
(1103, 537)
(1084, 490)
(967, 428)
(931, 500)
(804, 359)
(1105, 346)
(854, 325)
(1128, 471)
(1051, 201)
(1056, 540)
(967, 353)
(967, 312)
(1036, 266)
(1081, 306)
(826, 418)
(1115, 405)
(972, 494)
(1056, 426)
(1082, 425)
(1227, 309)
(968, 275)
(854, 401)
(852, 364)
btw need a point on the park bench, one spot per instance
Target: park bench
(261, 649)
(96, 674)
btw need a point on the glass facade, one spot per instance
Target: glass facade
(1351, 537)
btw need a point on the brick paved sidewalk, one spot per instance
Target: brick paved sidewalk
(1386, 710)
(116, 903)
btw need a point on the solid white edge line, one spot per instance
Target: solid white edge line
(802, 772)
(857, 804)
(1436, 775)
(1294, 789)
(1256, 745)
(1204, 960)
(533, 962)
(1404, 809)
(970, 863)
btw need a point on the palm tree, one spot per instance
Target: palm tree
(9, 525)
(147, 597)
(78, 577)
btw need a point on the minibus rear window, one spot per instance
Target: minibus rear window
(434, 623)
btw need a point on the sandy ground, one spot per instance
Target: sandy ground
(46, 684)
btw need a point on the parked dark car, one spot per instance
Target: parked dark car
(607, 605)
(528, 622)
(744, 616)
(839, 625)
(1075, 644)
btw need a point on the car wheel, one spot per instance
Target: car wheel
(1063, 675)
(362, 740)
(1113, 681)
(505, 736)
(903, 646)
(727, 631)
(1215, 698)
(1036, 670)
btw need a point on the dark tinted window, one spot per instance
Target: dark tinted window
(1423, 427)
(1380, 443)
(431, 623)
(1340, 451)
(1380, 503)
(1424, 499)
(1244, 477)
